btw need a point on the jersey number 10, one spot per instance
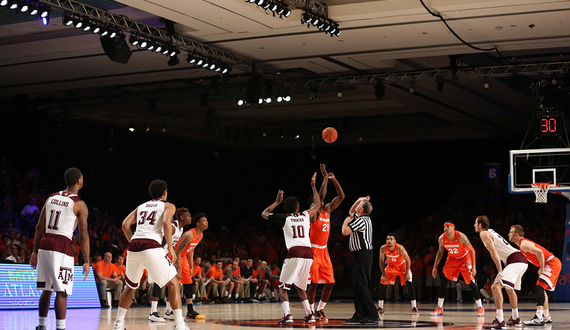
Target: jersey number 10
(299, 232)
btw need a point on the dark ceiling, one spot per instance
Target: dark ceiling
(64, 72)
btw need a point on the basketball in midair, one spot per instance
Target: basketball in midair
(330, 134)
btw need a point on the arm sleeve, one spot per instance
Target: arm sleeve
(278, 218)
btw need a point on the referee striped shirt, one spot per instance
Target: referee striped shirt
(361, 236)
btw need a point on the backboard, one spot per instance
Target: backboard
(539, 165)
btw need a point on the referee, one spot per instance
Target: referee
(359, 227)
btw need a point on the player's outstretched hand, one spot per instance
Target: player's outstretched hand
(314, 179)
(323, 169)
(85, 270)
(279, 197)
(330, 176)
(34, 260)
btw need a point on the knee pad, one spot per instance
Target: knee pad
(539, 291)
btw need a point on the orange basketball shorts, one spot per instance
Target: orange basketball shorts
(550, 274)
(393, 272)
(322, 268)
(186, 276)
(453, 267)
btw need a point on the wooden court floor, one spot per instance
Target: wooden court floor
(255, 316)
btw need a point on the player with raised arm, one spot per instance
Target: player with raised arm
(53, 255)
(460, 260)
(398, 266)
(322, 268)
(549, 268)
(154, 222)
(508, 277)
(297, 264)
(185, 261)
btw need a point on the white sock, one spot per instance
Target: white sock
(380, 303)
(441, 300)
(60, 324)
(153, 306)
(237, 295)
(322, 305)
(307, 307)
(286, 309)
(414, 304)
(193, 296)
(479, 303)
(312, 306)
(539, 314)
(547, 312)
(168, 308)
(121, 312)
(42, 321)
(178, 316)
(515, 313)
(500, 317)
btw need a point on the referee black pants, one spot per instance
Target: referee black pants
(361, 280)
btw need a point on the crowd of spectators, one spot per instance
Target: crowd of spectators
(25, 192)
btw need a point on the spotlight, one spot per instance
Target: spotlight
(67, 20)
(440, 82)
(132, 128)
(3, 3)
(45, 20)
(133, 40)
(44, 11)
(33, 9)
(267, 100)
(314, 91)
(190, 59)
(96, 29)
(144, 44)
(339, 94)
(412, 88)
(240, 102)
(287, 98)
(14, 5)
(173, 60)
(24, 7)
(112, 34)
(486, 85)
(279, 99)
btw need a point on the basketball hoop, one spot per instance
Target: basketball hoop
(541, 191)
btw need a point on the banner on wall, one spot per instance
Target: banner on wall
(562, 291)
(18, 288)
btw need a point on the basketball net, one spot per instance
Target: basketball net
(541, 191)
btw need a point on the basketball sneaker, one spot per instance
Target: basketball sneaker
(40, 327)
(535, 321)
(380, 310)
(180, 326)
(321, 315)
(169, 315)
(480, 311)
(285, 319)
(516, 322)
(495, 325)
(415, 310)
(153, 317)
(310, 318)
(119, 325)
(437, 312)
(194, 315)
(547, 319)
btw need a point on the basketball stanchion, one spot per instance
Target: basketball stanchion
(541, 191)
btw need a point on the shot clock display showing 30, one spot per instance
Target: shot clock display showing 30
(548, 121)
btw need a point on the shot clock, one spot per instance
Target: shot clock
(548, 122)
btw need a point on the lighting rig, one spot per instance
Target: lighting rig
(88, 25)
(324, 24)
(277, 7)
(151, 44)
(208, 62)
(30, 8)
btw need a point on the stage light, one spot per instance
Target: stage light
(133, 40)
(173, 61)
(14, 5)
(45, 20)
(240, 102)
(412, 88)
(267, 100)
(112, 34)
(44, 11)
(24, 7)
(440, 82)
(3, 3)
(287, 98)
(324, 24)
(279, 99)
(67, 20)
(144, 44)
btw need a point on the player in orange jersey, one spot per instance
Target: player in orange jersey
(398, 266)
(548, 272)
(460, 260)
(322, 268)
(185, 260)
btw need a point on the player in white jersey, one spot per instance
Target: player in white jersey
(183, 218)
(508, 277)
(53, 255)
(297, 264)
(153, 221)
